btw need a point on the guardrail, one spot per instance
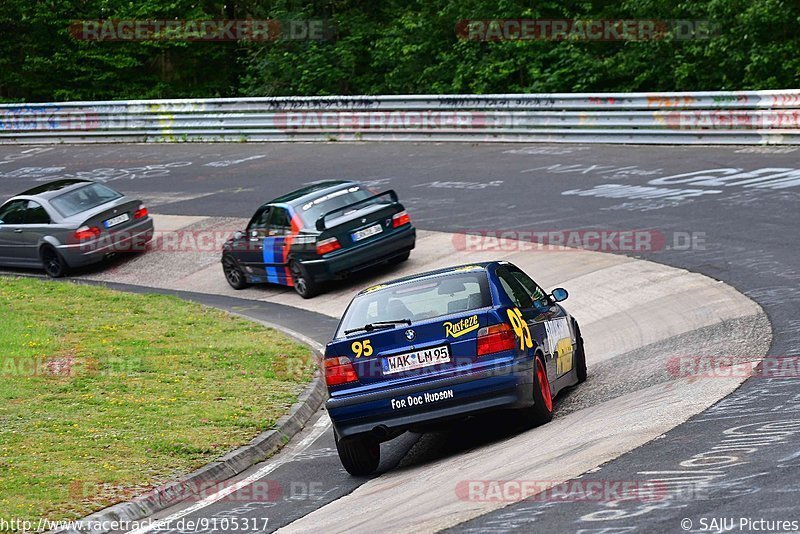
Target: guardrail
(754, 117)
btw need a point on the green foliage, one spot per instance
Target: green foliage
(41, 61)
(394, 47)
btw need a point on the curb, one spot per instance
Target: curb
(231, 464)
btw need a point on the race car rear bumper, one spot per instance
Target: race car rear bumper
(370, 254)
(389, 412)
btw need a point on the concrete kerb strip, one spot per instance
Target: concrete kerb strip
(231, 464)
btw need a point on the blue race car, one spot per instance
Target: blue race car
(444, 345)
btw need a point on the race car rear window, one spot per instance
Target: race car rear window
(311, 211)
(83, 199)
(419, 300)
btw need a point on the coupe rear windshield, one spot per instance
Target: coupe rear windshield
(311, 211)
(83, 199)
(419, 300)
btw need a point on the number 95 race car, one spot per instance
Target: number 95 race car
(444, 345)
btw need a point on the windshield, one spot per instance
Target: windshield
(311, 211)
(418, 300)
(83, 199)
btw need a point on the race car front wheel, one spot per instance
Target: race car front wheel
(359, 456)
(542, 410)
(233, 273)
(303, 284)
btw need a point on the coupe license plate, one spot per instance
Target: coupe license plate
(416, 360)
(119, 219)
(367, 232)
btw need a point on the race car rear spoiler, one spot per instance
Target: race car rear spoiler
(321, 219)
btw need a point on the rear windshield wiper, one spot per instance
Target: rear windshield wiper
(369, 327)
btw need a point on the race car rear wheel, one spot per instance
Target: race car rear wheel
(304, 285)
(542, 410)
(359, 456)
(580, 356)
(54, 265)
(233, 273)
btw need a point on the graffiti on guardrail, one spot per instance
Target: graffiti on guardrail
(741, 117)
(726, 119)
(45, 118)
(381, 120)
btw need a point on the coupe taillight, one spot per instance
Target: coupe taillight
(497, 338)
(328, 245)
(339, 370)
(401, 218)
(86, 232)
(141, 213)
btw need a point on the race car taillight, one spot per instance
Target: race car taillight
(496, 338)
(328, 245)
(339, 371)
(86, 232)
(141, 213)
(399, 219)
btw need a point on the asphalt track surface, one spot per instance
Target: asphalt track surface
(745, 450)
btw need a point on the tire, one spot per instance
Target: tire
(359, 456)
(580, 356)
(401, 258)
(542, 410)
(303, 284)
(52, 262)
(233, 273)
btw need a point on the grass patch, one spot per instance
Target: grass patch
(104, 394)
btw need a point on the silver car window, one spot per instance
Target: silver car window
(36, 214)
(13, 212)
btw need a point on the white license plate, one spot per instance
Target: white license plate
(119, 219)
(367, 232)
(416, 360)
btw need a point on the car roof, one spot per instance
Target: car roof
(311, 192)
(55, 188)
(479, 266)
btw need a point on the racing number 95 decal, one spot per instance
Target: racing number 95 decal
(521, 328)
(362, 348)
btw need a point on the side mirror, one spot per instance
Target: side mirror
(238, 235)
(559, 294)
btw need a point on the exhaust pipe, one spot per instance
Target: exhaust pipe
(381, 432)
